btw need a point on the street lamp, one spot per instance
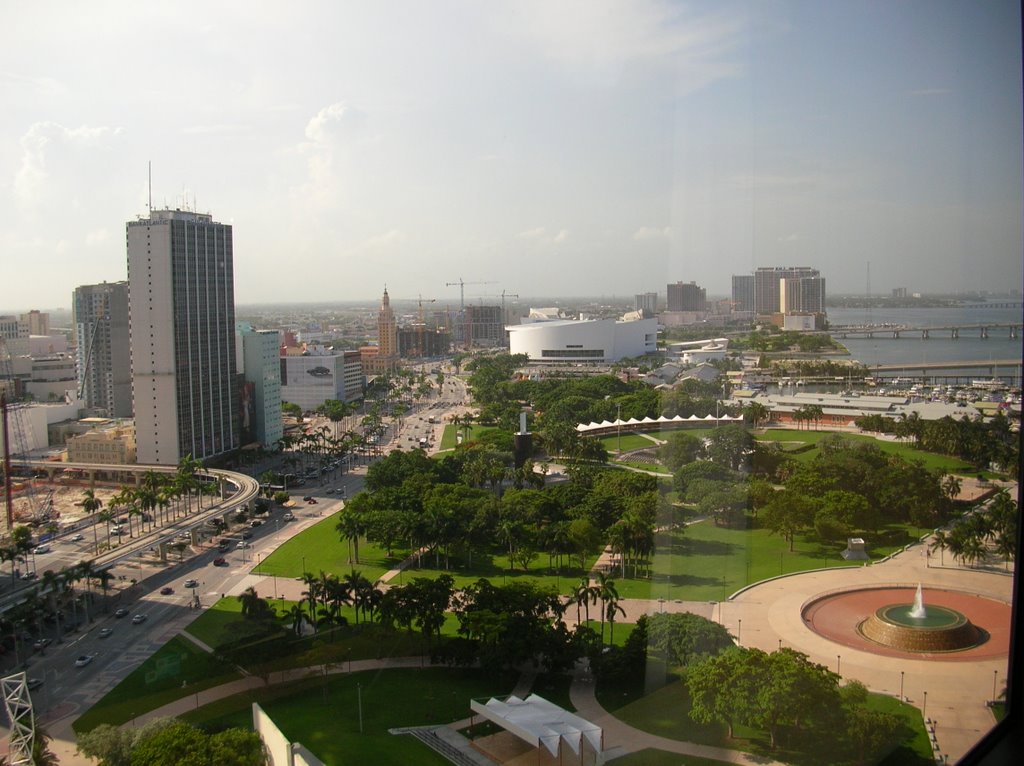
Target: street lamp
(739, 631)
(924, 706)
(901, 686)
(839, 661)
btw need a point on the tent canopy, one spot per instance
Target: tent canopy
(539, 722)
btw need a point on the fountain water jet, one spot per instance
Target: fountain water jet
(918, 612)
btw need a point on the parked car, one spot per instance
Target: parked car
(83, 660)
(121, 612)
(220, 561)
(138, 619)
(166, 590)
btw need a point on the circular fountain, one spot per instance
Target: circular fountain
(916, 628)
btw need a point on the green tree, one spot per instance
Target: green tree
(684, 638)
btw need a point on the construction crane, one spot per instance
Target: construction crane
(466, 339)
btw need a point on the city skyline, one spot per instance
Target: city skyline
(594, 150)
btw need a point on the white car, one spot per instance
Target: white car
(41, 549)
(84, 660)
(138, 619)
(242, 544)
(76, 538)
(105, 632)
(288, 516)
(190, 584)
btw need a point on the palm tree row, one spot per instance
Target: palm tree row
(974, 535)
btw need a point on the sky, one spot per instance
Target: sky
(541, 147)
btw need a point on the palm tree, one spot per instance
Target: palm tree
(295, 615)
(612, 609)
(582, 595)
(91, 504)
(250, 601)
(606, 592)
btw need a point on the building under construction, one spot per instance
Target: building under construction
(416, 341)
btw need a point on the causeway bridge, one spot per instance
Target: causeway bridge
(980, 331)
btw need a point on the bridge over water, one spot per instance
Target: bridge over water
(1006, 370)
(979, 331)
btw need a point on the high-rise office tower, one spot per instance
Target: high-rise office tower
(647, 303)
(182, 324)
(743, 292)
(104, 354)
(686, 297)
(768, 288)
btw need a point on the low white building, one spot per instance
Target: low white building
(594, 341)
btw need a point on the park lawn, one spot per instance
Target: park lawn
(449, 439)
(622, 629)
(709, 563)
(324, 716)
(906, 451)
(320, 548)
(665, 711)
(657, 468)
(495, 567)
(650, 757)
(629, 442)
(176, 669)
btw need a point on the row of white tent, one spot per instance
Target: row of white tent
(539, 722)
(634, 423)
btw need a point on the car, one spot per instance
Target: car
(28, 576)
(41, 549)
(121, 612)
(41, 643)
(191, 583)
(307, 498)
(288, 516)
(220, 561)
(34, 683)
(223, 547)
(167, 590)
(330, 490)
(83, 660)
(311, 501)
(138, 619)
(246, 534)
(105, 632)
(76, 538)
(255, 523)
(242, 544)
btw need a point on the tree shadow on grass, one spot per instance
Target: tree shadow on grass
(691, 547)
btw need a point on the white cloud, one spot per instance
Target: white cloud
(213, 130)
(561, 236)
(537, 233)
(333, 122)
(541, 235)
(649, 233)
(48, 148)
(97, 237)
(387, 239)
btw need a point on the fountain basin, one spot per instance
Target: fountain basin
(942, 630)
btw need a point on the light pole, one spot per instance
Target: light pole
(924, 707)
(359, 691)
(995, 676)
(901, 686)
(839, 663)
(739, 632)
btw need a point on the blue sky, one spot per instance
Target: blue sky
(553, 148)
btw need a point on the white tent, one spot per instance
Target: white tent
(539, 722)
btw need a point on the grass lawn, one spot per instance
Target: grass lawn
(652, 467)
(324, 715)
(787, 437)
(665, 712)
(662, 758)
(708, 563)
(449, 438)
(320, 548)
(629, 442)
(495, 567)
(156, 682)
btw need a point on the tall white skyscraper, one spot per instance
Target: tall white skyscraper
(182, 322)
(101, 339)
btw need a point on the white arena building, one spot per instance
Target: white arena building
(594, 341)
